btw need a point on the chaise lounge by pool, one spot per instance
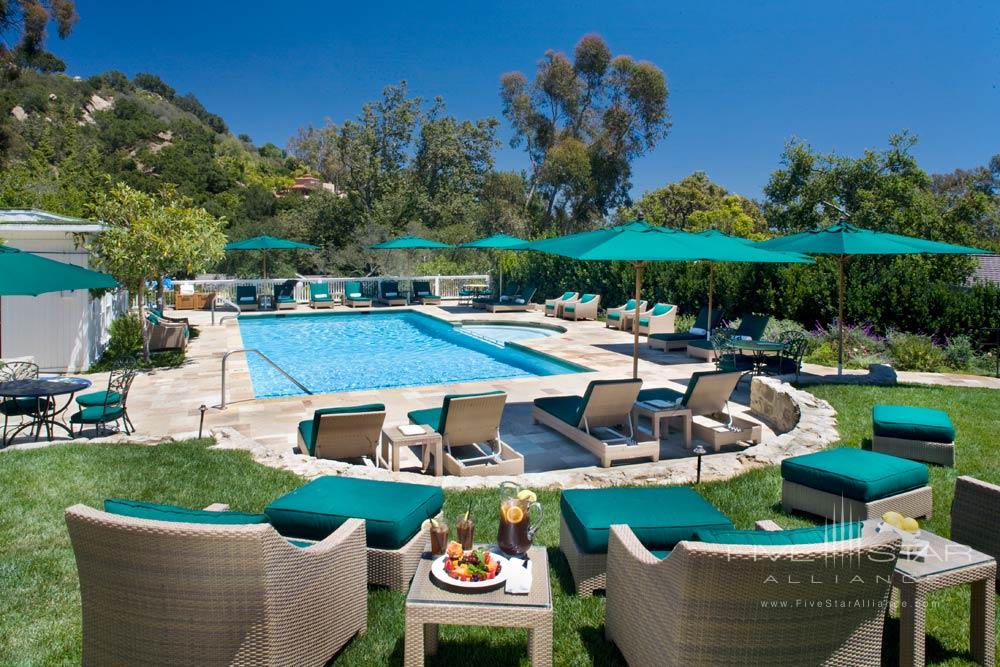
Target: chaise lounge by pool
(338, 352)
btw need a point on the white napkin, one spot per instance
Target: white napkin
(518, 577)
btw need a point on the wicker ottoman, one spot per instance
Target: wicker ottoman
(392, 511)
(921, 434)
(847, 484)
(660, 517)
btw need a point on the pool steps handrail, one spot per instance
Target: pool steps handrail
(247, 350)
(225, 317)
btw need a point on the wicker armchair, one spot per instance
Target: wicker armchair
(975, 516)
(159, 593)
(708, 604)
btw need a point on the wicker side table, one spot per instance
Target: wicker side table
(656, 415)
(393, 439)
(947, 564)
(430, 604)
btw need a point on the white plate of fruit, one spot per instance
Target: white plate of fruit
(472, 569)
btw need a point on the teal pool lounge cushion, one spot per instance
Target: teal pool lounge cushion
(911, 423)
(855, 473)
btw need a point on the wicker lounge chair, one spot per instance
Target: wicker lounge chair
(320, 297)
(520, 303)
(471, 422)
(422, 293)
(616, 317)
(553, 307)
(246, 297)
(389, 294)
(844, 483)
(707, 397)
(975, 516)
(751, 327)
(164, 335)
(584, 309)
(605, 408)
(659, 319)
(920, 434)
(352, 432)
(159, 592)
(679, 341)
(510, 291)
(353, 297)
(706, 604)
(284, 295)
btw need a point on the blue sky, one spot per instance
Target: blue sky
(744, 77)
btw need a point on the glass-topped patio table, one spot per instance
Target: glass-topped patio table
(759, 349)
(945, 564)
(430, 603)
(46, 413)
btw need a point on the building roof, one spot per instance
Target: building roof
(26, 218)
(987, 269)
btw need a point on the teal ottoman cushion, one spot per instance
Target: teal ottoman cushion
(909, 423)
(158, 512)
(837, 532)
(393, 511)
(659, 516)
(855, 473)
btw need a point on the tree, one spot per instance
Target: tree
(151, 236)
(23, 25)
(582, 123)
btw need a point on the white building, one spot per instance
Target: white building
(61, 331)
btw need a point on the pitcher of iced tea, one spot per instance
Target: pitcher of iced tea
(516, 527)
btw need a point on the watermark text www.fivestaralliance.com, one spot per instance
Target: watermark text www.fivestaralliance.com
(830, 603)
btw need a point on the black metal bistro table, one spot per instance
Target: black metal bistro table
(45, 392)
(760, 349)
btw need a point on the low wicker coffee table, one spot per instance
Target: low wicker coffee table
(947, 564)
(430, 604)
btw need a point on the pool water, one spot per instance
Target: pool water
(338, 352)
(503, 333)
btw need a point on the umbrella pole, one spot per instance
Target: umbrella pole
(500, 270)
(711, 287)
(635, 320)
(265, 263)
(840, 314)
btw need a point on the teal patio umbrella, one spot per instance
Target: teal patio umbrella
(409, 243)
(843, 240)
(639, 243)
(498, 242)
(266, 243)
(27, 274)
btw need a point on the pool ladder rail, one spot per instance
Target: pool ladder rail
(247, 350)
(225, 317)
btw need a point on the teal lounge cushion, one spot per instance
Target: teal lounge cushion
(430, 417)
(855, 473)
(660, 516)
(550, 306)
(158, 512)
(643, 321)
(318, 298)
(309, 429)
(98, 398)
(565, 408)
(910, 423)
(393, 511)
(686, 335)
(659, 394)
(660, 553)
(614, 315)
(97, 414)
(836, 532)
(753, 326)
(701, 344)
(569, 308)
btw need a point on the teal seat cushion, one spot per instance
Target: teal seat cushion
(392, 511)
(98, 398)
(309, 429)
(702, 344)
(643, 321)
(319, 298)
(158, 512)
(431, 417)
(659, 394)
(910, 423)
(570, 308)
(97, 414)
(565, 408)
(24, 405)
(659, 516)
(614, 316)
(660, 553)
(855, 473)
(837, 532)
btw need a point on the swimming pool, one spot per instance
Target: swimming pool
(335, 352)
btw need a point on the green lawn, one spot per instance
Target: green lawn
(39, 603)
